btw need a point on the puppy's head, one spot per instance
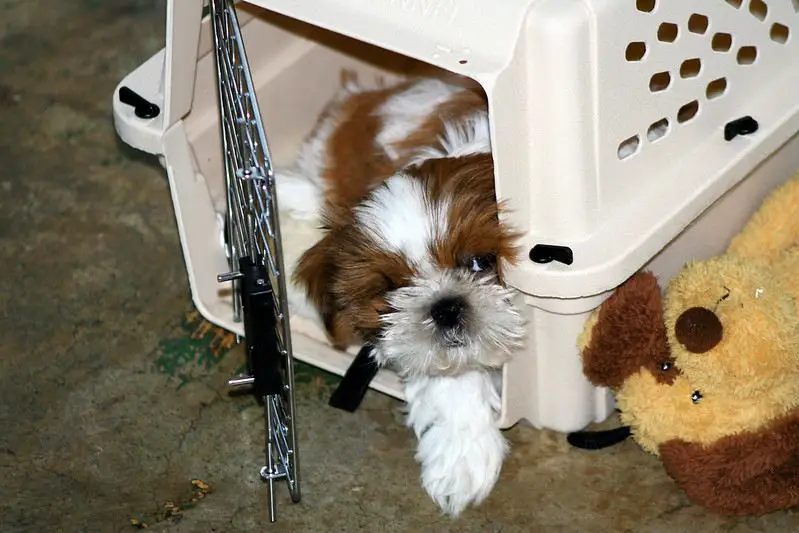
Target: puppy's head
(417, 270)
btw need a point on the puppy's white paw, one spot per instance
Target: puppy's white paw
(460, 468)
(460, 448)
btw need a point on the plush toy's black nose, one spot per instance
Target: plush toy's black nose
(698, 329)
(448, 312)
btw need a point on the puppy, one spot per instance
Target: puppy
(410, 259)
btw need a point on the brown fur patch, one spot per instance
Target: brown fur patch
(355, 166)
(347, 279)
(315, 271)
(473, 219)
(362, 280)
(743, 474)
(355, 163)
(629, 334)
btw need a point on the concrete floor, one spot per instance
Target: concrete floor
(112, 400)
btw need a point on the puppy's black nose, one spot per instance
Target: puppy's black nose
(448, 312)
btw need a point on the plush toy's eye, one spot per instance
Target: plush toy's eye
(724, 296)
(482, 263)
(665, 366)
(696, 396)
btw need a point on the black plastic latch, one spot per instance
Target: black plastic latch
(265, 356)
(740, 126)
(546, 253)
(141, 108)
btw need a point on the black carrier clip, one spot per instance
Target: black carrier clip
(546, 253)
(141, 108)
(740, 126)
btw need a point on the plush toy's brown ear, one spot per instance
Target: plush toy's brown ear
(628, 333)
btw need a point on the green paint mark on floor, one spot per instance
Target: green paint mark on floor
(198, 347)
(196, 350)
(304, 373)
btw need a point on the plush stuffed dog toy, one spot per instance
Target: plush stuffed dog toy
(707, 376)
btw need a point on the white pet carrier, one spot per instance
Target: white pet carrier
(626, 134)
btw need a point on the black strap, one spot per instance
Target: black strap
(596, 440)
(350, 392)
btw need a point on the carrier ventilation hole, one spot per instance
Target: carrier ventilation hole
(735, 3)
(463, 61)
(779, 33)
(635, 51)
(668, 32)
(722, 42)
(647, 6)
(716, 88)
(698, 23)
(657, 130)
(688, 112)
(629, 147)
(759, 9)
(659, 82)
(747, 55)
(796, 5)
(690, 68)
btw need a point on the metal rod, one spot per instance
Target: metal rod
(270, 464)
(242, 381)
(231, 228)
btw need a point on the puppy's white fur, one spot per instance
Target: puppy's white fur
(403, 115)
(460, 448)
(399, 217)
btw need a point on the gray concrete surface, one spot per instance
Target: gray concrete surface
(111, 387)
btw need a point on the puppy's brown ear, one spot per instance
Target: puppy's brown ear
(316, 271)
(626, 333)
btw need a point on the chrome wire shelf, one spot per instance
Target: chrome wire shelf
(254, 252)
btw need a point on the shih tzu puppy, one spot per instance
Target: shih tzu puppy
(410, 259)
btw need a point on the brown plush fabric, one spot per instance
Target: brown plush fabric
(745, 474)
(698, 329)
(629, 334)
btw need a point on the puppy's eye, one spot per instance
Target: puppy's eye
(482, 263)
(696, 396)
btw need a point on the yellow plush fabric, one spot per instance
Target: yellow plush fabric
(759, 349)
(773, 229)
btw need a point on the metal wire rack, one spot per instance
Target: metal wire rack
(254, 252)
